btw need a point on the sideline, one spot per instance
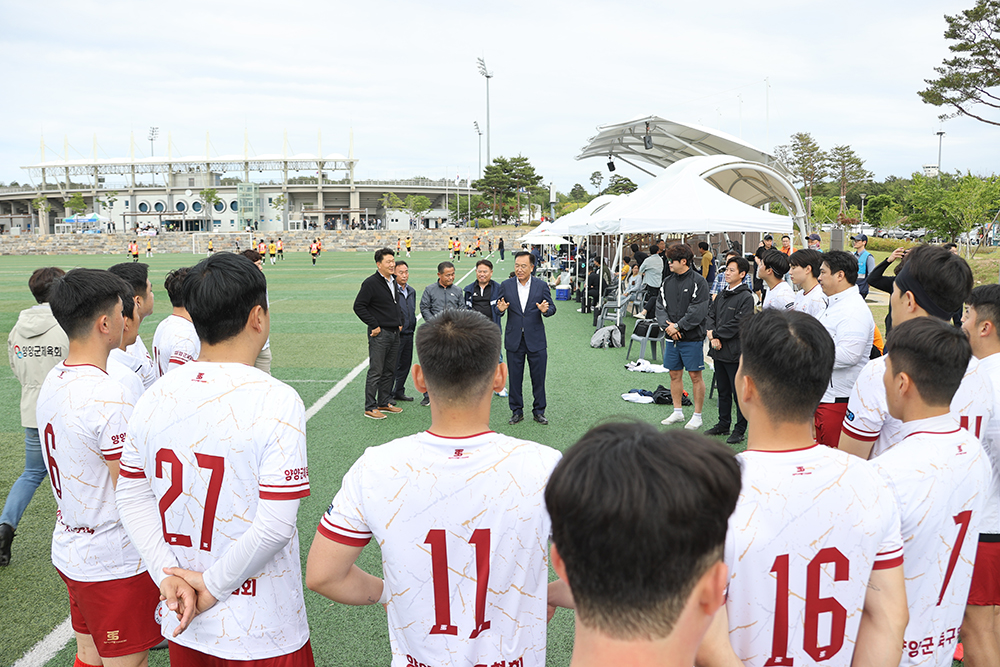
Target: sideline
(54, 642)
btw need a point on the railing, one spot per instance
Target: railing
(121, 187)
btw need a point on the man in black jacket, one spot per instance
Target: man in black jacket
(377, 306)
(407, 297)
(725, 314)
(681, 307)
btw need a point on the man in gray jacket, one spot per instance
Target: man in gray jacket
(35, 345)
(440, 296)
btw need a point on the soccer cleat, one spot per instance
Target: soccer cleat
(718, 429)
(374, 414)
(674, 418)
(694, 424)
(6, 538)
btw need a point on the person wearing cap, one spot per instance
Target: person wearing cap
(815, 242)
(866, 262)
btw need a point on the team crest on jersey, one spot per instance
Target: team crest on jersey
(960, 450)
(200, 377)
(801, 470)
(459, 454)
(850, 416)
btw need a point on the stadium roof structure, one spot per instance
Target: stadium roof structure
(217, 164)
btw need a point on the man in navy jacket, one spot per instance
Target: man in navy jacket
(528, 300)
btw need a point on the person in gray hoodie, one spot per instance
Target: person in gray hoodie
(35, 345)
(440, 296)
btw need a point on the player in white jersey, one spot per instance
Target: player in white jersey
(771, 268)
(175, 342)
(122, 366)
(212, 472)
(82, 414)
(136, 274)
(638, 525)
(932, 283)
(457, 512)
(980, 630)
(804, 268)
(940, 477)
(814, 548)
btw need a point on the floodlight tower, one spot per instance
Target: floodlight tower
(475, 123)
(489, 75)
(940, 136)
(154, 132)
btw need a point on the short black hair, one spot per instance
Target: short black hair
(252, 255)
(174, 284)
(679, 251)
(839, 260)
(654, 248)
(789, 355)
(950, 246)
(777, 261)
(944, 276)
(742, 265)
(41, 281)
(522, 253)
(463, 339)
(786, 236)
(634, 247)
(136, 274)
(382, 252)
(807, 257)
(933, 353)
(638, 517)
(220, 292)
(445, 265)
(702, 245)
(402, 262)
(986, 300)
(486, 263)
(82, 295)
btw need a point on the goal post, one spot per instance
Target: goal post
(220, 241)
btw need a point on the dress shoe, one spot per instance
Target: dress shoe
(404, 397)
(515, 418)
(718, 429)
(736, 437)
(542, 420)
(374, 414)
(390, 408)
(6, 537)
(426, 402)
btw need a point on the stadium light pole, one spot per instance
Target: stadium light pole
(154, 132)
(489, 75)
(475, 123)
(940, 134)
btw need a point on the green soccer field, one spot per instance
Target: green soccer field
(316, 341)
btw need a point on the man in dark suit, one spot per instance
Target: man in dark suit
(408, 304)
(377, 306)
(527, 299)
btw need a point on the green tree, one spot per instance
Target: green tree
(278, 204)
(109, 199)
(596, 179)
(76, 203)
(824, 210)
(808, 163)
(969, 204)
(209, 197)
(496, 184)
(620, 185)
(577, 193)
(925, 200)
(416, 206)
(391, 200)
(524, 179)
(971, 79)
(848, 169)
(458, 207)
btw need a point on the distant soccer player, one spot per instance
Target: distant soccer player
(135, 251)
(804, 268)
(940, 477)
(137, 276)
(212, 249)
(212, 472)
(281, 249)
(314, 251)
(932, 283)
(409, 244)
(82, 413)
(272, 250)
(149, 247)
(815, 529)
(458, 513)
(175, 342)
(638, 527)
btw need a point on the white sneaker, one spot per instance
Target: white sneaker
(695, 423)
(502, 393)
(674, 418)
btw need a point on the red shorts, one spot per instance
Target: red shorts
(985, 589)
(182, 656)
(118, 614)
(829, 420)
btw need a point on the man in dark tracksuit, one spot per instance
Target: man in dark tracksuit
(725, 314)
(377, 306)
(482, 294)
(408, 305)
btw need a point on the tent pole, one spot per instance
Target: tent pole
(619, 260)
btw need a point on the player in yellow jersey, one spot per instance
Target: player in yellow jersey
(272, 250)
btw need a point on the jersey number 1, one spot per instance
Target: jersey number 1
(207, 462)
(439, 573)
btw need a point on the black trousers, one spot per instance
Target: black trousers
(404, 359)
(382, 352)
(725, 382)
(536, 366)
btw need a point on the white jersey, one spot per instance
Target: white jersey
(812, 302)
(868, 417)
(848, 319)
(788, 547)
(464, 534)
(175, 343)
(82, 415)
(147, 372)
(127, 377)
(779, 297)
(939, 476)
(211, 439)
(989, 367)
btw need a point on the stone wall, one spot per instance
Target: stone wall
(294, 241)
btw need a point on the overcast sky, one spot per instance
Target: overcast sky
(403, 76)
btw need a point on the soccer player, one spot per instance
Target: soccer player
(940, 477)
(34, 346)
(638, 526)
(149, 247)
(980, 630)
(83, 413)
(319, 247)
(262, 248)
(314, 251)
(263, 361)
(409, 243)
(175, 342)
(771, 268)
(451, 248)
(272, 250)
(804, 268)
(135, 251)
(849, 321)
(458, 250)
(137, 276)
(123, 366)
(213, 470)
(791, 551)
(212, 249)
(281, 249)
(458, 513)
(932, 283)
